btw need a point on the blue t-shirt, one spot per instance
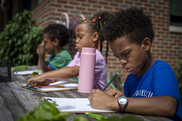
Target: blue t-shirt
(159, 80)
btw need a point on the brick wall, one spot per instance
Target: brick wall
(166, 46)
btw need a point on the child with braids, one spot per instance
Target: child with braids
(55, 37)
(88, 34)
(151, 87)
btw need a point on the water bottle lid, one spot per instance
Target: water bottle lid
(88, 50)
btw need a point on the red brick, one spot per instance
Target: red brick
(74, 3)
(62, 10)
(68, 7)
(118, 9)
(128, 2)
(108, 7)
(62, 1)
(114, 4)
(92, 9)
(120, 1)
(81, 0)
(103, 3)
(80, 8)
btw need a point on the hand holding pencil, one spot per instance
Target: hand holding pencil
(110, 81)
(101, 100)
(99, 96)
(113, 92)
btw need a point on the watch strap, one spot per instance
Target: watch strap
(122, 107)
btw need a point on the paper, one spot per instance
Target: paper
(59, 83)
(28, 72)
(78, 105)
(57, 86)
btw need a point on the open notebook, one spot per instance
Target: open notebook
(57, 86)
(73, 105)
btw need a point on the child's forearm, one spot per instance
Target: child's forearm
(159, 106)
(63, 73)
(41, 63)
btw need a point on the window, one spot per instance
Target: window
(176, 16)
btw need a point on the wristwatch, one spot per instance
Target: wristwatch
(122, 102)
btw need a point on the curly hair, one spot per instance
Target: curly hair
(132, 23)
(57, 31)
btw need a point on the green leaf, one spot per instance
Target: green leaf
(127, 117)
(80, 118)
(44, 112)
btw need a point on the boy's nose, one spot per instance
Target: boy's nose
(123, 61)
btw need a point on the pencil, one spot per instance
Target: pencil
(95, 115)
(110, 81)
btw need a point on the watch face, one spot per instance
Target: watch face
(122, 100)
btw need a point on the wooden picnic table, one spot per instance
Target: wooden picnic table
(15, 101)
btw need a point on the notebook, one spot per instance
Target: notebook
(57, 86)
(73, 105)
(27, 72)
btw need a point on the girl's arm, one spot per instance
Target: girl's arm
(59, 74)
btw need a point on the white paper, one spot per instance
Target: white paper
(79, 105)
(58, 83)
(28, 72)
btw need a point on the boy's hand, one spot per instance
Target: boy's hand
(114, 92)
(41, 48)
(101, 100)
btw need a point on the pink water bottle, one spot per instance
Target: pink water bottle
(87, 70)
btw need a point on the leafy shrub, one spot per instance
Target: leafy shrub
(19, 40)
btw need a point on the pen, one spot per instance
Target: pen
(110, 81)
(50, 100)
(95, 115)
(56, 85)
(29, 86)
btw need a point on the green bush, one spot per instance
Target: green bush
(19, 40)
(178, 73)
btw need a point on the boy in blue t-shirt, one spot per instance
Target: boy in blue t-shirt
(151, 87)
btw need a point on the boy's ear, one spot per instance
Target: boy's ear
(146, 44)
(95, 36)
(56, 42)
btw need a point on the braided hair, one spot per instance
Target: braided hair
(96, 23)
